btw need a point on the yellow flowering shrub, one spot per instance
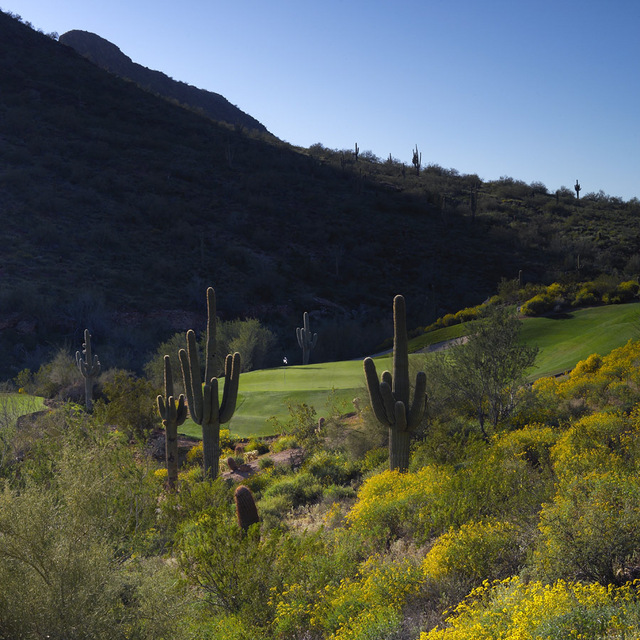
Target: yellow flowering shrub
(462, 558)
(591, 529)
(600, 440)
(611, 380)
(369, 603)
(516, 610)
(391, 504)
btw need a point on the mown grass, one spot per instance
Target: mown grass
(563, 341)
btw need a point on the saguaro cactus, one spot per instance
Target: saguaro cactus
(390, 396)
(89, 367)
(204, 406)
(416, 161)
(173, 415)
(306, 341)
(578, 188)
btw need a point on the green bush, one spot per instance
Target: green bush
(332, 468)
(591, 530)
(129, 404)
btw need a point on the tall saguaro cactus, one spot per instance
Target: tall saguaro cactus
(173, 415)
(204, 405)
(89, 367)
(306, 341)
(390, 396)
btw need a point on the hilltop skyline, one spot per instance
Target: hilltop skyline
(539, 91)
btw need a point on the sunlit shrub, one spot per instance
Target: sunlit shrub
(599, 441)
(391, 504)
(463, 558)
(591, 529)
(537, 611)
(368, 606)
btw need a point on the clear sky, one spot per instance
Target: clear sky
(539, 90)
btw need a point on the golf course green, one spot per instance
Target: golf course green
(563, 341)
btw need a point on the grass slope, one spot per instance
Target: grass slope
(563, 342)
(566, 340)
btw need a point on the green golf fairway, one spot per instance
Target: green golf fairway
(20, 404)
(269, 392)
(563, 342)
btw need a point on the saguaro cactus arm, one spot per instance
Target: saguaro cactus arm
(232, 366)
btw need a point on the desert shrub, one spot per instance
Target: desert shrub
(195, 455)
(463, 558)
(283, 443)
(332, 468)
(59, 378)
(256, 444)
(587, 295)
(129, 404)
(537, 305)
(591, 529)
(612, 381)
(322, 561)
(555, 295)
(599, 441)
(302, 425)
(57, 573)
(537, 611)
(296, 490)
(392, 504)
(235, 570)
(369, 605)
(66, 531)
(627, 291)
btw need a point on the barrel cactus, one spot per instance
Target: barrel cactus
(246, 509)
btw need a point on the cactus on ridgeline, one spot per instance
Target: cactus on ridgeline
(204, 406)
(173, 414)
(578, 188)
(416, 161)
(89, 366)
(306, 341)
(246, 509)
(390, 396)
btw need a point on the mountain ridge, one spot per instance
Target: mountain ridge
(108, 56)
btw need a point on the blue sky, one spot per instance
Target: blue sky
(544, 90)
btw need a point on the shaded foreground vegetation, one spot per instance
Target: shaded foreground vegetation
(533, 531)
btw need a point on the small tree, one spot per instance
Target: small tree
(486, 372)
